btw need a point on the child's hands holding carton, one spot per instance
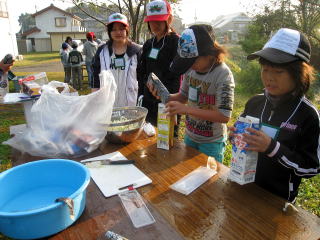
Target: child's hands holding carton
(257, 140)
(153, 90)
(175, 107)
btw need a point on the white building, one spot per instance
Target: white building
(231, 27)
(8, 37)
(53, 25)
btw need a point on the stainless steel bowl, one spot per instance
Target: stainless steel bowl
(126, 124)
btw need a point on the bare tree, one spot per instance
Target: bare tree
(134, 9)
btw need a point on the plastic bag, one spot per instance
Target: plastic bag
(62, 125)
(60, 87)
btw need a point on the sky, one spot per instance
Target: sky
(204, 10)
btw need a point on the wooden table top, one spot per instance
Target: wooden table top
(219, 209)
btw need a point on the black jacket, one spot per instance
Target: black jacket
(295, 152)
(132, 49)
(160, 67)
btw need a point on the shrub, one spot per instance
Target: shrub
(248, 80)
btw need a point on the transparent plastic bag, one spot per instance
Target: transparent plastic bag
(63, 125)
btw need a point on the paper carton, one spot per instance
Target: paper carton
(243, 162)
(165, 128)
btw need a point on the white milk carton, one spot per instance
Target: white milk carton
(243, 162)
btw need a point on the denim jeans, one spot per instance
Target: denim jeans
(90, 73)
(76, 77)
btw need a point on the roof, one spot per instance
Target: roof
(30, 31)
(52, 7)
(234, 17)
(66, 32)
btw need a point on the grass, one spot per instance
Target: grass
(30, 59)
(309, 195)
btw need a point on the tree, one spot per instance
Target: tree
(26, 21)
(134, 9)
(303, 15)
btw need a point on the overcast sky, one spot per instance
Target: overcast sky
(204, 10)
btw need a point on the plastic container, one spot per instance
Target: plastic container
(28, 206)
(193, 180)
(136, 208)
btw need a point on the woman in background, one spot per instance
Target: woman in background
(120, 56)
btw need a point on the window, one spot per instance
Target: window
(75, 22)
(3, 9)
(61, 22)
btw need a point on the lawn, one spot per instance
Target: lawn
(30, 59)
(309, 195)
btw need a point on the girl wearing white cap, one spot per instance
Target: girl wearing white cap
(288, 142)
(120, 55)
(157, 55)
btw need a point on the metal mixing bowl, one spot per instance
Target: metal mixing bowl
(126, 124)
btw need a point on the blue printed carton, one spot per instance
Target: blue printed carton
(243, 162)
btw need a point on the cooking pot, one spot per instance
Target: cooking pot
(41, 198)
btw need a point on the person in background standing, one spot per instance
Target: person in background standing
(89, 50)
(5, 66)
(69, 42)
(157, 55)
(119, 55)
(75, 59)
(66, 65)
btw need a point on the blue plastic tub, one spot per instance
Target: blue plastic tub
(28, 193)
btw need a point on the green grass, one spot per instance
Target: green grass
(309, 195)
(30, 59)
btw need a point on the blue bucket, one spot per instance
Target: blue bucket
(28, 204)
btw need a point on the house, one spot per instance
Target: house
(92, 25)
(53, 25)
(231, 28)
(8, 38)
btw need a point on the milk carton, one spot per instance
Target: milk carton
(243, 162)
(165, 128)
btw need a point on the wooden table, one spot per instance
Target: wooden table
(219, 209)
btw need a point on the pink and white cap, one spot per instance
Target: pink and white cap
(158, 10)
(118, 17)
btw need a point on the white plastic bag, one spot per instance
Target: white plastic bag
(62, 125)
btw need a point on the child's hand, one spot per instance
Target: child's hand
(175, 107)
(153, 90)
(258, 141)
(6, 67)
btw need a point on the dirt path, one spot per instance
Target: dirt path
(44, 67)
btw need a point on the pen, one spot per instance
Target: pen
(130, 186)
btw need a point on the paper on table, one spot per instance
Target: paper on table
(193, 180)
(113, 179)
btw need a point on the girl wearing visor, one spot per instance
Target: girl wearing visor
(120, 55)
(288, 141)
(157, 55)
